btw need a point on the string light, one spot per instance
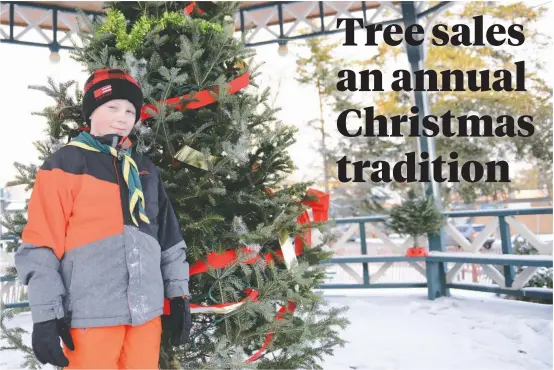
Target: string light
(283, 48)
(54, 54)
(229, 25)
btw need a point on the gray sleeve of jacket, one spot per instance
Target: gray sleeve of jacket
(37, 260)
(175, 268)
(38, 268)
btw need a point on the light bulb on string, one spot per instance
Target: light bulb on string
(54, 54)
(54, 57)
(283, 48)
(229, 25)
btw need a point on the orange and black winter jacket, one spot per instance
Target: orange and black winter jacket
(81, 254)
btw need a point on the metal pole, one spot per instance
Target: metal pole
(436, 272)
(416, 59)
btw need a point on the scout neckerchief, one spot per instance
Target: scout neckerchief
(130, 171)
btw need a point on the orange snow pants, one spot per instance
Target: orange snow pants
(116, 347)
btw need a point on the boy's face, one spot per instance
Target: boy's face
(114, 117)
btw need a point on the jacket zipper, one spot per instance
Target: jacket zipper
(122, 197)
(116, 173)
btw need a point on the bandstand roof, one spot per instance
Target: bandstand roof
(268, 21)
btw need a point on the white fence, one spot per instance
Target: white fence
(10, 291)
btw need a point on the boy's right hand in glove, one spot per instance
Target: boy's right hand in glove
(46, 342)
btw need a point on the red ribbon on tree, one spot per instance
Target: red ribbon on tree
(189, 8)
(320, 213)
(203, 97)
(280, 316)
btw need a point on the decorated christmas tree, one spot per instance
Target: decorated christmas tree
(251, 243)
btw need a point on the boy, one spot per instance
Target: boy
(102, 247)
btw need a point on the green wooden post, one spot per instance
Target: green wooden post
(509, 271)
(436, 271)
(364, 252)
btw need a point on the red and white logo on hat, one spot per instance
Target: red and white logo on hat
(102, 91)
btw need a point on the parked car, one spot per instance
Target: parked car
(470, 232)
(342, 229)
(548, 239)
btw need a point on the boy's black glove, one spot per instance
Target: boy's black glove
(179, 320)
(46, 341)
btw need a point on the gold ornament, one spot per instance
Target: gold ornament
(195, 158)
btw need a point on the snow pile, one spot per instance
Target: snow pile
(401, 329)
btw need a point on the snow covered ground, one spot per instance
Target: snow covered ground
(401, 329)
(469, 330)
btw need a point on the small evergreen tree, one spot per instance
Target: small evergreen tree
(416, 216)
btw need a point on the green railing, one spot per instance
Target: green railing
(439, 279)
